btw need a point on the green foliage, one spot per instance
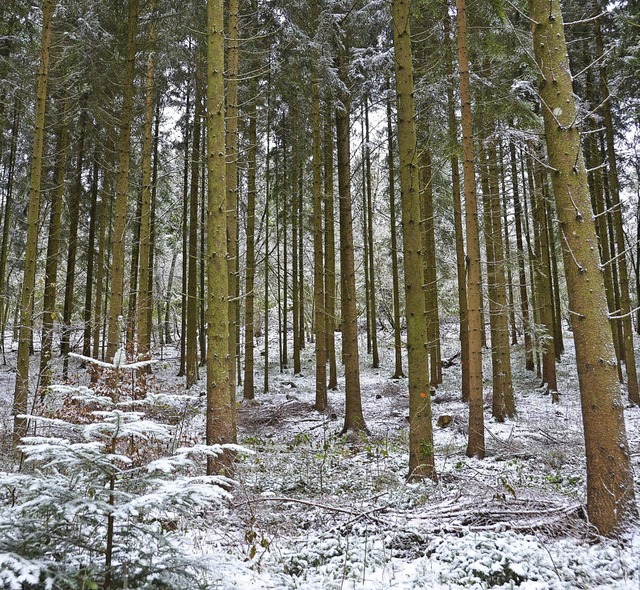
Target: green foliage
(86, 486)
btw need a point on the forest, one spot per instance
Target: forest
(319, 294)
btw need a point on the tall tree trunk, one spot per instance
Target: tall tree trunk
(475, 446)
(528, 187)
(302, 320)
(543, 280)
(502, 324)
(133, 278)
(231, 187)
(91, 252)
(145, 285)
(498, 409)
(53, 253)
(457, 215)
(152, 241)
(122, 183)
(250, 256)
(504, 203)
(522, 275)
(421, 453)
(330, 255)
(375, 360)
(353, 417)
(104, 224)
(267, 229)
(202, 334)
(285, 263)
(185, 237)
(318, 254)
(191, 326)
(625, 304)
(365, 239)
(555, 281)
(610, 495)
(598, 202)
(21, 392)
(295, 275)
(8, 204)
(220, 420)
(74, 215)
(168, 337)
(430, 272)
(397, 340)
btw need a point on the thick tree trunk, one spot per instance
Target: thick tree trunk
(610, 495)
(220, 422)
(421, 454)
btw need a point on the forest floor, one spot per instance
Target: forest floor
(316, 510)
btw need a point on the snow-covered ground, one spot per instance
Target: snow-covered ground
(316, 510)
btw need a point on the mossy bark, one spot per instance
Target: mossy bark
(220, 427)
(421, 453)
(610, 493)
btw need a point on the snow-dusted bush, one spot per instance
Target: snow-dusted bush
(101, 503)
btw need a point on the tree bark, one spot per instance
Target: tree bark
(220, 423)
(250, 256)
(475, 445)
(330, 256)
(421, 454)
(522, 274)
(231, 187)
(74, 215)
(457, 215)
(191, 326)
(353, 418)
(610, 495)
(397, 340)
(145, 286)
(318, 254)
(21, 391)
(53, 253)
(122, 183)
